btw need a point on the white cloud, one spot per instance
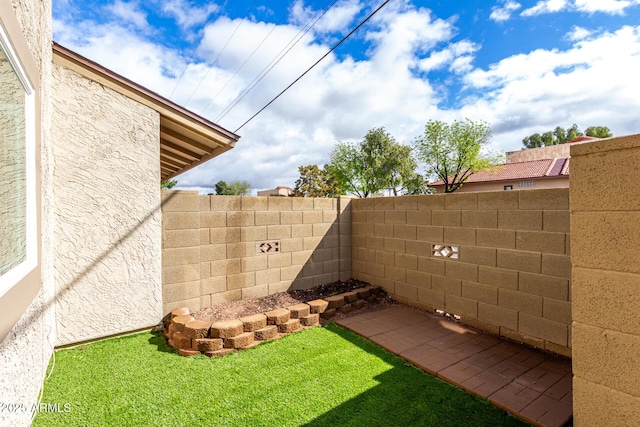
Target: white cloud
(458, 56)
(129, 12)
(186, 13)
(546, 6)
(612, 7)
(503, 13)
(578, 33)
(336, 19)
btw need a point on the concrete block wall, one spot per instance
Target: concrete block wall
(605, 240)
(212, 249)
(512, 276)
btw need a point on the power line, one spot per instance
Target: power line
(275, 61)
(316, 63)
(204, 31)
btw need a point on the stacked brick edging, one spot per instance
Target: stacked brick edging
(192, 337)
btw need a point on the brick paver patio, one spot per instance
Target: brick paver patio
(531, 384)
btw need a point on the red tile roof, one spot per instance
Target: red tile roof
(547, 168)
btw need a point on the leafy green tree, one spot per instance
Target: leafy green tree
(453, 152)
(168, 184)
(233, 188)
(316, 182)
(376, 163)
(598, 132)
(561, 136)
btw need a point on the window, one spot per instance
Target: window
(508, 187)
(526, 184)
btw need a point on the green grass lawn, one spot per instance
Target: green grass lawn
(318, 377)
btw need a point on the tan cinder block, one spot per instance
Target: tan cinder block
(179, 256)
(279, 260)
(227, 296)
(558, 349)
(394, 245)
(395, 217)
(461, 201)
(406, 291)
(301, 203)
(302, 230)
(546, 329)
(374, 242)
(253, 234)
(519, 260)
(479, 292)
(226, 266)
(291, 217)
(405, 203)
(430, 202)
(607, 357)
(180, 201)
(383, 230)
(395, 273)
(181, 291)
(496, 238)
(383, 203)
(410, 262)
(389, 286)
(598, 405)
(240, 219)
(332, 266)
(550, 199)
(214, 285)
(362, 229)
(255, 291)
(556, 265)
(384, 258)
(460, 306)
(499, 277)
(267, 217)
(545, 286)
(312, 217)
(556, 221)
(551, 243)
(407, 232)
(241, 250)
(280, 203)
(291, 245)
(288, 273)
(478, 255)
(322, 279)
(600, 238)
(519, 336)
(431, 297)
(418, 279)
(180, 273)
(431, 265)
(240, 280)
(204, 236)
(520, 219)
(180, 238)
(419, 217)
(430, 234)
(180, 220)
(446, 218)
(329, 216)
(448, 285)
(322, 229)
(192, 304)
(480, 219)
(274, 288)
(375, 217)
(205, 301)
(277, 232)
(332, 241)
(521, 302)
(312, 269)
(213, 252)
(224, 235)
(461, 270)
(373, 268)
(301, 257)
(323, 204)
(558, 311)
(501, 200)
(597, 295)
(365, 254)
(498, 315)
(358, 241)
(483, 326)
(226, 203)
(321, 255)
(213, 219)
(254, 263)
(204, 203)
(253, 203)
(359, 216)
(418, 248)
(205, 270)
(459, 236)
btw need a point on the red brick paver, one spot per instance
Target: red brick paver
(531, 384)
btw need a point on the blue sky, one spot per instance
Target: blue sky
(522, 66)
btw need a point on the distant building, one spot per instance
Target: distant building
(542, 167)
(278, 191)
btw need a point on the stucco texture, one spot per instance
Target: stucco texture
(25, 351)
(107, 210)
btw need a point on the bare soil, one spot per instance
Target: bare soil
(237, 309)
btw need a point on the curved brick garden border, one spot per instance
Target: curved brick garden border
(192, 337)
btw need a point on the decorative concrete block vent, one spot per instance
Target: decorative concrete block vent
(192, 337)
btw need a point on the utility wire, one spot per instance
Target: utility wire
(275, 61)
(316, 63)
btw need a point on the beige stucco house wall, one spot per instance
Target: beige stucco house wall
(25, 351)
(529, 184)
(107, 175)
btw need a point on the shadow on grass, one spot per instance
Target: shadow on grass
(406, 396)
(158, 340)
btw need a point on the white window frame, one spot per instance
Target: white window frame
(12, 277)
